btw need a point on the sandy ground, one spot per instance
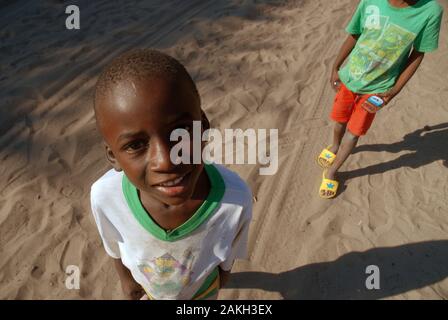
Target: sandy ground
(258, 64)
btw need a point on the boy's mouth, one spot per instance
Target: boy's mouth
(171, 183)
(174, 186)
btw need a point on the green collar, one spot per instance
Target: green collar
(202, 213)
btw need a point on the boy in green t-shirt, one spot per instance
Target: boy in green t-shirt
(386, 44)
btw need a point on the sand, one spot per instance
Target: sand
(258, 64)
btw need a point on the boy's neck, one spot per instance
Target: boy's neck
(170, 217)
(402, 3)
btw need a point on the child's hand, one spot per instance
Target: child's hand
(132, 290)
(334, 80)
(223, 277)
(388, 95)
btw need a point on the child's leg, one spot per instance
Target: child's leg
(360, 121)
(338, 134)
(340, 114)
(343, 153)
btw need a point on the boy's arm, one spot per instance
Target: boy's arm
(414, 61)
(345, 50)
(131, 289)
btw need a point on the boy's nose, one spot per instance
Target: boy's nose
(160, 156)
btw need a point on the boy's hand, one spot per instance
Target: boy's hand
(334, 80)
(388, 95)
(223, 277)
(132, 290)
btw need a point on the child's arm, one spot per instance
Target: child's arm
(414, 61)
(131, 289)
(345, 50)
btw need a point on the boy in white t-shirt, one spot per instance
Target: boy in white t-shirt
(174, 231)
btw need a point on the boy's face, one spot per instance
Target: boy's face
(136, 119)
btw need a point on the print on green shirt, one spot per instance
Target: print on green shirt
(378, 50)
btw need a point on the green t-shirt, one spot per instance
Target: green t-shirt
(387, 35)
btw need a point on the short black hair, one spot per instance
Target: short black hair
(141, 64)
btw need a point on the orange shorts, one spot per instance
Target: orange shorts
(347, 109)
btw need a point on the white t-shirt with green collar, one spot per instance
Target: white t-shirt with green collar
(174, 264)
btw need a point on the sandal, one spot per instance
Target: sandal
(328, 187)
(326, 158)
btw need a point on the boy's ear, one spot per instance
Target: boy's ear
(111, 158)
(204, 120)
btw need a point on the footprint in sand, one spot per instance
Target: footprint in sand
(71, 191)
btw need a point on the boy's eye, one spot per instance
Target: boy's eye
(135, 146)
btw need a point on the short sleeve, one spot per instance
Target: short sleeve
(428, 38)
(355, 24)
(239, 244)
(108, 233)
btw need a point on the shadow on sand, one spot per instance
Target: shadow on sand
(402, 268)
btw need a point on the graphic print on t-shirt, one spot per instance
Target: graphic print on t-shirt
(166, 275)
(380, 46)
